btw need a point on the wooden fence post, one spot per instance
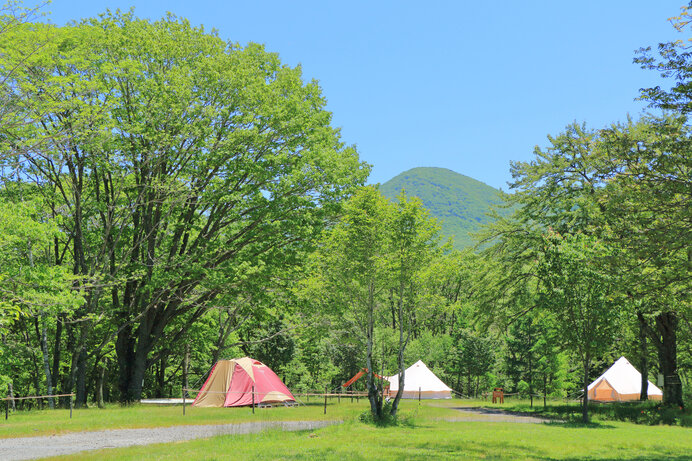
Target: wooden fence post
(419, 392)
(183, 399)
(253, 400)
(71, 405)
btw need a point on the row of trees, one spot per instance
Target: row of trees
(601, 231)
(160, 173)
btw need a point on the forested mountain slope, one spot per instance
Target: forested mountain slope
(459, 201)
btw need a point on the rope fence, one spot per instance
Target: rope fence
(326, 394)
(35, 397)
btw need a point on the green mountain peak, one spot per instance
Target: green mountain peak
(460, 202)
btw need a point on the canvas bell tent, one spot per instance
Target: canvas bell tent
(230, 384)
(621, 382)
(419, 381)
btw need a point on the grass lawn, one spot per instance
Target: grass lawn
(430, 439)
(47, 422)
(428, 436)
(650, 412)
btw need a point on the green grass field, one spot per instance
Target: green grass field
(429, 440)
(427, 436)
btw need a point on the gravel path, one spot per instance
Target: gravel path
(497, 416)
(40, 447)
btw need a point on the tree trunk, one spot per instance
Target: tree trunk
(124, 349)
(459, 380)
(11, 392)
(585, 403)
(373, 396)
(664, 337)
(530, 357)
(67, 382)
(81, 394)
(186, 365)
(99, 386)
(667, 325)
(46, 362)
(400, 356)
(643, 361)
(55, 375)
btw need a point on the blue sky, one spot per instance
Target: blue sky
(464, 85)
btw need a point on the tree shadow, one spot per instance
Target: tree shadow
(580, 425)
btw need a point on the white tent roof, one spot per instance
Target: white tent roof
(418, 376)
(625, 379)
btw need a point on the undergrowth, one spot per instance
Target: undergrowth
(402, 418)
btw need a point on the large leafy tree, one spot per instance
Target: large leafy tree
(663, 188)
(350, 272)
(181, 164)
(647, 209)
(580, 295)
(414, 238)
(371, 260)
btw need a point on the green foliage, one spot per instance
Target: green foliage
(369, 263)
(389, 418)
(188, 170)
(459, 202)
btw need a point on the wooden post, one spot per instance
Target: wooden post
(351, 396)
(325, 399)
(419, 391)
(253, 400)
(7, 409)
(70, 406)
(183, 399)
(338, 396)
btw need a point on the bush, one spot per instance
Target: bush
(401, 418)
(651, 413)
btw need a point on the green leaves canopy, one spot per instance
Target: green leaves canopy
(183, 165)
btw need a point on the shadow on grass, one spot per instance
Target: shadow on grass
(579, 425)
(648, 457)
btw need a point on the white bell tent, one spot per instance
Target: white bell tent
(419, 382)
(621, 382)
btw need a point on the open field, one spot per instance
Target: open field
(428, 438)
(433, 431)
(46, 422)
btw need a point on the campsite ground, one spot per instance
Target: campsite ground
(434, 430)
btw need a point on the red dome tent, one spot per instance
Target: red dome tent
(230, 384)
